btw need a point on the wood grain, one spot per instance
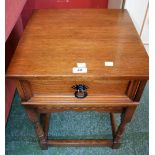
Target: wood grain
(79, 142)
(46, 104)
(64, 87)
(55, 40)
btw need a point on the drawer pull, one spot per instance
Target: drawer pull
(81, 91)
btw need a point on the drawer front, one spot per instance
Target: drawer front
(96, 87)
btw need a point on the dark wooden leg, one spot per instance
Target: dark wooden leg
(119, 134)
(46, 124)
(113, 124)
(35, 119)
(126, 117)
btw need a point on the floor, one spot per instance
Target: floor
(21, 140)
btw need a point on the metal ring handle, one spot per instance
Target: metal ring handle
(80, 94)
(81, 90)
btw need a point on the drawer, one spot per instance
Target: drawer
(95, 87)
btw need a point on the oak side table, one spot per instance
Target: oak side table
(80, 60)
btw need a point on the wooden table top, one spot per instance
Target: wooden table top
(54, 41)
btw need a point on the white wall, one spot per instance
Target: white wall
(145, 32)
(138, 10)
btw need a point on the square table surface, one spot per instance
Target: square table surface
(54, 41)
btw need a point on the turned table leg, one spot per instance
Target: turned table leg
(35, 119)
(119, 134)
(42, 130)
(126, 117)
(46, 124)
